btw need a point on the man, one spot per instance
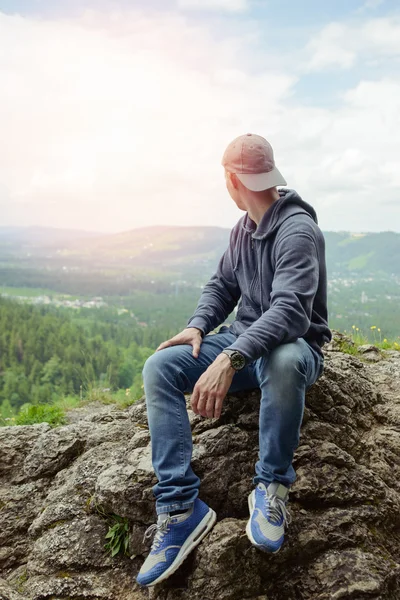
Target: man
(275, 267)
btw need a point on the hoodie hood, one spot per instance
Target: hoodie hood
(289, 203)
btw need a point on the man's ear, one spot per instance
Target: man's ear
(234, 180)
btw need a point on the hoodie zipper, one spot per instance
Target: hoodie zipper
(256, 274)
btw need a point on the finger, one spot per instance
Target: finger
(164, 345)
(201, 404)
(196, 348)
(210, 406)
(218, 406)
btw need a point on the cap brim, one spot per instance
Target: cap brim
(261, 181)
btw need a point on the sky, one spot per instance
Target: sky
(115, 114)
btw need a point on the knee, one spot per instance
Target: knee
(162, 367)
(154, 366)
(285, 362)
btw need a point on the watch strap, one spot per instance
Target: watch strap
(230, 352)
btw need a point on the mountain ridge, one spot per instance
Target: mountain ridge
(169, 246)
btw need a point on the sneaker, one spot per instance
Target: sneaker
(268, 516)
(175, 537)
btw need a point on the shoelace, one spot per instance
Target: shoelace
(275, 508)
(159, 529)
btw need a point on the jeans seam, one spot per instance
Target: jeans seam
(181, 440)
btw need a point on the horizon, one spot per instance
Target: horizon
(114, 114)
(110, 233)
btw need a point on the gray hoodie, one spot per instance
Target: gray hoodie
(276, 273)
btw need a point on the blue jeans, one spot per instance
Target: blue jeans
(283, 379)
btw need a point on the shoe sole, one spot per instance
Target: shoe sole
(192, 541)
(248, 529)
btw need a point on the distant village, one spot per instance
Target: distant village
(96, 302)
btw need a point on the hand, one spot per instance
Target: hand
(190, 335)
(211, 388)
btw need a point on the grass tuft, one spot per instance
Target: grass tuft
(357, 337)
(40, 413)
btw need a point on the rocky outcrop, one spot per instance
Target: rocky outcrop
(59, 488)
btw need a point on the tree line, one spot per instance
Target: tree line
(47, 353)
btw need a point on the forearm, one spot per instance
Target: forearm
(282, 323)
(215, 304)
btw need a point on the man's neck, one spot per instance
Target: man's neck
(262, 203)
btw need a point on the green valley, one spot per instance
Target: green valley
(80, 313)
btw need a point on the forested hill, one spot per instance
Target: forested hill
(47, 353)
(180, 248)
(369, 253)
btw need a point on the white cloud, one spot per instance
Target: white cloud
(372, 4)
(217, 5)
(120, 121)
(326, 49)
(349, 156)
(343, 45)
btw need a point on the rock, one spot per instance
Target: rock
(7, 592)
(370, 352)
(60, 488)
(19, 506)
(15, 443)
(337, 342)
(54, 450)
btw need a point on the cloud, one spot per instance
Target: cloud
(372, 4)
(349, 157)
(344, 45)
(214, 5)
(119, 120)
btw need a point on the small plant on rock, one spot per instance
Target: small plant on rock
(118, 535)
(118, 532)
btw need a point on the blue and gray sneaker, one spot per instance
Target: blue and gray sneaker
(268, 516)
(175, 537)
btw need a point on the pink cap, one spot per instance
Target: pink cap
(251, 157)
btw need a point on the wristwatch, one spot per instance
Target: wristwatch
(237, 359)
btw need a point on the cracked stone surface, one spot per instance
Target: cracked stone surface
(343, 542)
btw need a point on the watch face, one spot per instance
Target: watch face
(238, 361)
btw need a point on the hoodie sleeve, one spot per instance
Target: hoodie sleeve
(220, 295)
(294, 286)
